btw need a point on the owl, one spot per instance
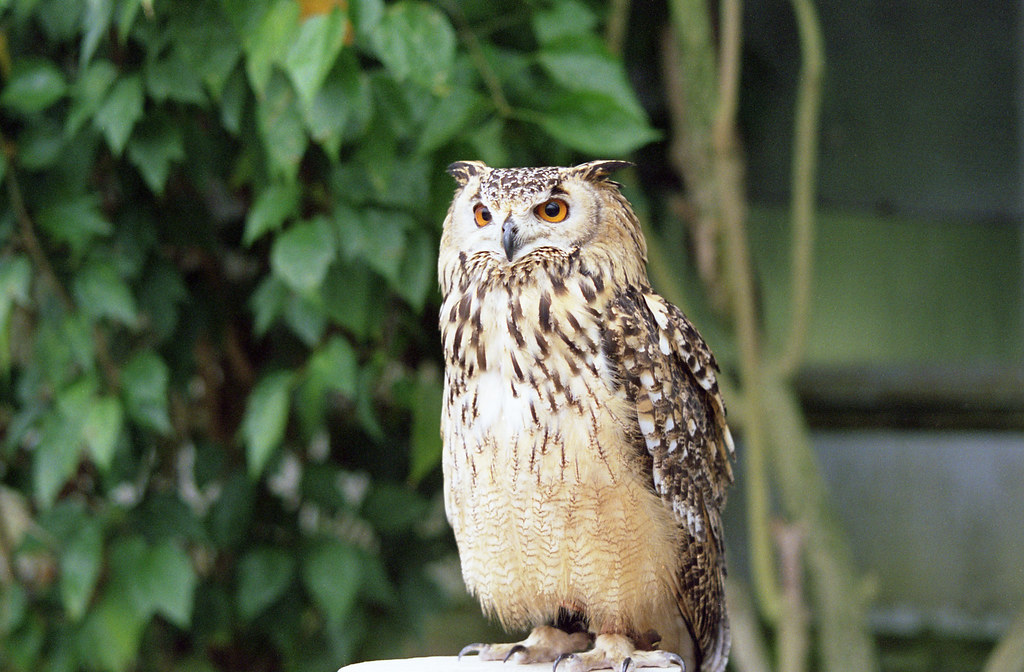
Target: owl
(586, 454)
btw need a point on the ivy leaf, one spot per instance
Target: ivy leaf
(113, 629)
(342, 93)
(331, 573)
(166, 582)
(56, 456)
(265, 419)
(333, 366)
(88, 93)
(450, 116)
(102, 293)
(269, 42)
(34, 85)
(263, 575)
(102, 428)
(273, 206)
(281, 128)
(171, 78)
(595, 123)
(301, 254)
(416, 41)
(153, 148)
(122, 109)
(563, 19)
(425, 437)
(80, 563)
(144, 386)
(314, 51)
(267, 302)
(75, 221)
(583, 63)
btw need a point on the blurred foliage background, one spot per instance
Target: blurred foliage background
(220, 377)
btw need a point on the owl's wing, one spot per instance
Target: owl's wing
(669, 374)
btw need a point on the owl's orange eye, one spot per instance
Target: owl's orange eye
(481, 214)
(554, 210)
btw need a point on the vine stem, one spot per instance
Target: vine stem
(804, 171)
(27, 230)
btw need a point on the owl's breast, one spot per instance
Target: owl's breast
(542, 484)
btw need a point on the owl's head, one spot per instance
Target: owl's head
(510, 212)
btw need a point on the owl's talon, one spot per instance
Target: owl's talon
(554, 668)
(513, 651)
(476, 647)
(627, 665)
(677, 660)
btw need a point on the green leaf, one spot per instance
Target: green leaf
(144, 388)
(88, 92)
(271, 39)
(172, 78)
(313, 53)
(34, 85)
(425, 437)
(122, 109)
(56, 457)
(377, 237)
(563, 19)
(416, 41)
(393, 508)
(153, 148)
(331, 573)
(595, 123)
(343, 92)
(419, 270)
(350, 297)
(272, 207)
(281, 128)
(101, 293)
(80, 563)
(265, 419)
(113, 630)
(41, 144)
(449, 117)
(263, 575)
(75, 221)
(98, 14)
(304, 315)
(102, 428)
(333, 367)
(167, 582)
(301, 254)
(584, 64)
(267, 302)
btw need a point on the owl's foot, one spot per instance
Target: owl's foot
(544, 645)
(619, 653)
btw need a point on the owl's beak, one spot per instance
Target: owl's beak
(509, 238)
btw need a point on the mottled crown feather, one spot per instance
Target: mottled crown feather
(593, 171)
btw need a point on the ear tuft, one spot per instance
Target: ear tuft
(596, 171)
(462, 171)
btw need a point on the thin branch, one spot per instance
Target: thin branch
(615, 30)
(27, 231)
(31, 242)
(792, 632)
(706, 152)
(805, 160)
(476, 54)
(730, 47)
